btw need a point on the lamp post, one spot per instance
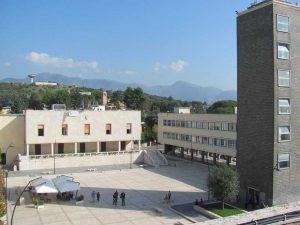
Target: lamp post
(12, 215)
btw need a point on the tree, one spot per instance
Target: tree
(76, 98)
(222, 107)
(134, 98)
(16, 107)
(35, 101)
(223, 182)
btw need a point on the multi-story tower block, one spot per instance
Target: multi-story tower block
(268, 121)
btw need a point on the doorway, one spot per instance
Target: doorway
(38, 149)
(123, 145)
(60, 148)
(253, 197)
(82, 147)
(103, 146)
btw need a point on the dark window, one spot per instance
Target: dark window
(40, 130)
(64, 129)
(128, 128)
(108, 128)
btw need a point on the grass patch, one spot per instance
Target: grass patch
(217, 209)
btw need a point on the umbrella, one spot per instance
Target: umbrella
(42, 185)
(62, 178)
(67, 186)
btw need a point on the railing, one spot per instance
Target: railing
(90, 154)
(274, 219)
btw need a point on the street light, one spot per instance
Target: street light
(12, 216)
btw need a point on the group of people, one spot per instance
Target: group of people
(168, 196)
(95, 195)
(115, 198)
(197, 202)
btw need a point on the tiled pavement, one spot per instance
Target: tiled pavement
(144, 188)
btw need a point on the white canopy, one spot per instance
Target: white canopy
(67, 186)
(61, 178)
(65, 183)
(42, 185)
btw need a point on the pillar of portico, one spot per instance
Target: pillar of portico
(75, 147)
(98, 146)
(139, 145)
(52, 148)
(27, 149)
(119, 146)
(215, 158)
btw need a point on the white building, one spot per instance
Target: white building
(45, 133)
(198, 136)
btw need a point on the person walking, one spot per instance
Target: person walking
(93, 195)
(115, 197)
(122, 196)
(98, 196)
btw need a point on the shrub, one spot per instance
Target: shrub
(79, 198)
(38, 201)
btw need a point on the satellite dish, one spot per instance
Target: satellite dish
(31, 76)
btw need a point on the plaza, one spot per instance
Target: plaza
(145, 188)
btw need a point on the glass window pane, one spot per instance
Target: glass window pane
(284, 78)
(283, 23)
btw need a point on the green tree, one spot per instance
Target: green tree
(16, 107)
(76, 98)
(134, 98)
(223, 183)
(35, 101)
(116, 98)
(63, 97)
(222, 107)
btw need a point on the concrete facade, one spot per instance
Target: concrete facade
(259, 144)
(198, 134)
(49, 132)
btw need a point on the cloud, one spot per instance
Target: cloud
(176, 67)
(130, 72)
(7, 64)
(45, 60)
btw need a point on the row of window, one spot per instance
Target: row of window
(86, 129)
(222, 142)
(223, 126)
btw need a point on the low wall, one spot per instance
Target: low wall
(77, 160)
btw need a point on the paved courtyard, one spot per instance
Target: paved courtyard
(145, 189)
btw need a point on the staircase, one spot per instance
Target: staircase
(155, 158)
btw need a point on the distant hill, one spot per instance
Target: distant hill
(179, 90)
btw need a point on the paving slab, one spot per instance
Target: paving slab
(145, 189)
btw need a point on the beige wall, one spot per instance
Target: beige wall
(53, 120)
(229, 118)
(12, 132)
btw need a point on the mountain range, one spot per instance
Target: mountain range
(179, 90)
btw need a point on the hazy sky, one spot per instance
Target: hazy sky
(143, 41)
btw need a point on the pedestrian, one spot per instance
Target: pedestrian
(98, 196)
(115, 197)
(122, 196)
(93, 195)
(169, 195)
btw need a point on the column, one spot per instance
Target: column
(52, 149)
(119, 146)
(202, 156)
(139, 145)
(98, 146)
(215, 158)
(27, 149)
(228, 160)
(75, 147)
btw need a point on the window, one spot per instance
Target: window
(231, 143)
(283, 78)
(40, 130)
(284, 106)
(217, 126)
(211, 125)
(64, 129)
(128, 128)
(283, 23)
(284, 160)
(87, 129)
(283, 51)
(108, 128)
(205, 140)
(224, 126)
(231, 127)
(165, 122)
(284, 133)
